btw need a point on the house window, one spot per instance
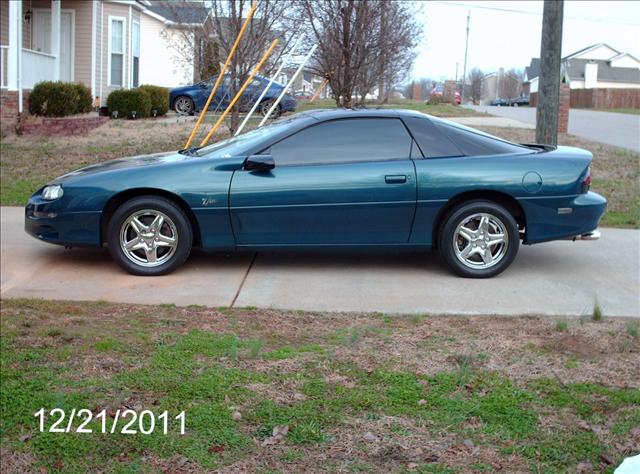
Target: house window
(135, 54)
(116, 54)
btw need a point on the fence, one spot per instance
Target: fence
(600, 98)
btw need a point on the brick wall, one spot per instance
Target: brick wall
(63, 125)
(563, 116)
(566, 98)
(416, 91)
(9, 109)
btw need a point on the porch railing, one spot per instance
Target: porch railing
(4, 73)
(36, 67)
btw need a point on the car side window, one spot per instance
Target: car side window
(344, 141)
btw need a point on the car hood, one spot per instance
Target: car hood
(178, 90)
(124, 163)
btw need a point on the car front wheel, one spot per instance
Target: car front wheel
(183, 105)
(266, 105)
(479, 239)
(149, 236)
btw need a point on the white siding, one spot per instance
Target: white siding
(601, 52)
(160, 62)
(626, 61)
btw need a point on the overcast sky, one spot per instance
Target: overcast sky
(510, 39)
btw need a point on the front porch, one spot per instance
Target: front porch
(39, 41)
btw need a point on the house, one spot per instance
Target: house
(307, 81)
(598, 66)
(104, 44)
(500, 84)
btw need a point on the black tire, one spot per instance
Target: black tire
(265, 105)
(183, 105)
(154, 241)
(478, 263)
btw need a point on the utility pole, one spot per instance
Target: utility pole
(548, 106)
(456, 73)
(464, 67)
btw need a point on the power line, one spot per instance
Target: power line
(523, 12)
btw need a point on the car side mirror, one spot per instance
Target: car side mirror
(259, 163)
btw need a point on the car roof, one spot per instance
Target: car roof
(331, 114)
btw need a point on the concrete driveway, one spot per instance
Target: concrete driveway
(558, 278)
(621, 130)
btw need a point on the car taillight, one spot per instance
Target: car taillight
(586, 182)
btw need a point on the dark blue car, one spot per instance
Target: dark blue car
(189, 99)
(328, 179)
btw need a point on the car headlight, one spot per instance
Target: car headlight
(49, 193)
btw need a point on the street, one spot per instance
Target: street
(557, 279)
(621, 130)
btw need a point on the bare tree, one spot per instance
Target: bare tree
(511, 84)
(475, 80)
(361, 44)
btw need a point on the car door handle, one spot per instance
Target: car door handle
(395, 178)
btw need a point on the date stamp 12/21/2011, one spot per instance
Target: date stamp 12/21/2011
(125, 421)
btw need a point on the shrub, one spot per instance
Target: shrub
(159, 98)
(59, 99)
(127, 101)
(85, 99)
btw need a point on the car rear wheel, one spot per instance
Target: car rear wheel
(266, 105)
(479, 239)
(183, 105)
(149, 236)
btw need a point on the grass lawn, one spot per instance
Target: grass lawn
(347, 392)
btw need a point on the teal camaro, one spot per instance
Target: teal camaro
(328, 179)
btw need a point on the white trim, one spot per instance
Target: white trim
(622, 55)
(94, 48)
(101, 51)
(157, 17)
(73, 42)
(129, 43)
(134, 23)
(124, 49)
(590, 48)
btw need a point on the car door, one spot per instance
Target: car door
(341, 182)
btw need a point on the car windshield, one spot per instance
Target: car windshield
(237, 146)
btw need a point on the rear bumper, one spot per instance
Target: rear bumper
(567, 217)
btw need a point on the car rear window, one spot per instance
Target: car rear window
(432, 142)
(475, 143)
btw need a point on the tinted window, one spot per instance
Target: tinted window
(432, 142)
(476, 143)
(341, 141)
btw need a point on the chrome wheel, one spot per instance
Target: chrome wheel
(183, 105)
(148, 238)
(480, 241)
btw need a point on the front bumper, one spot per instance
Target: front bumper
(44, 221)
